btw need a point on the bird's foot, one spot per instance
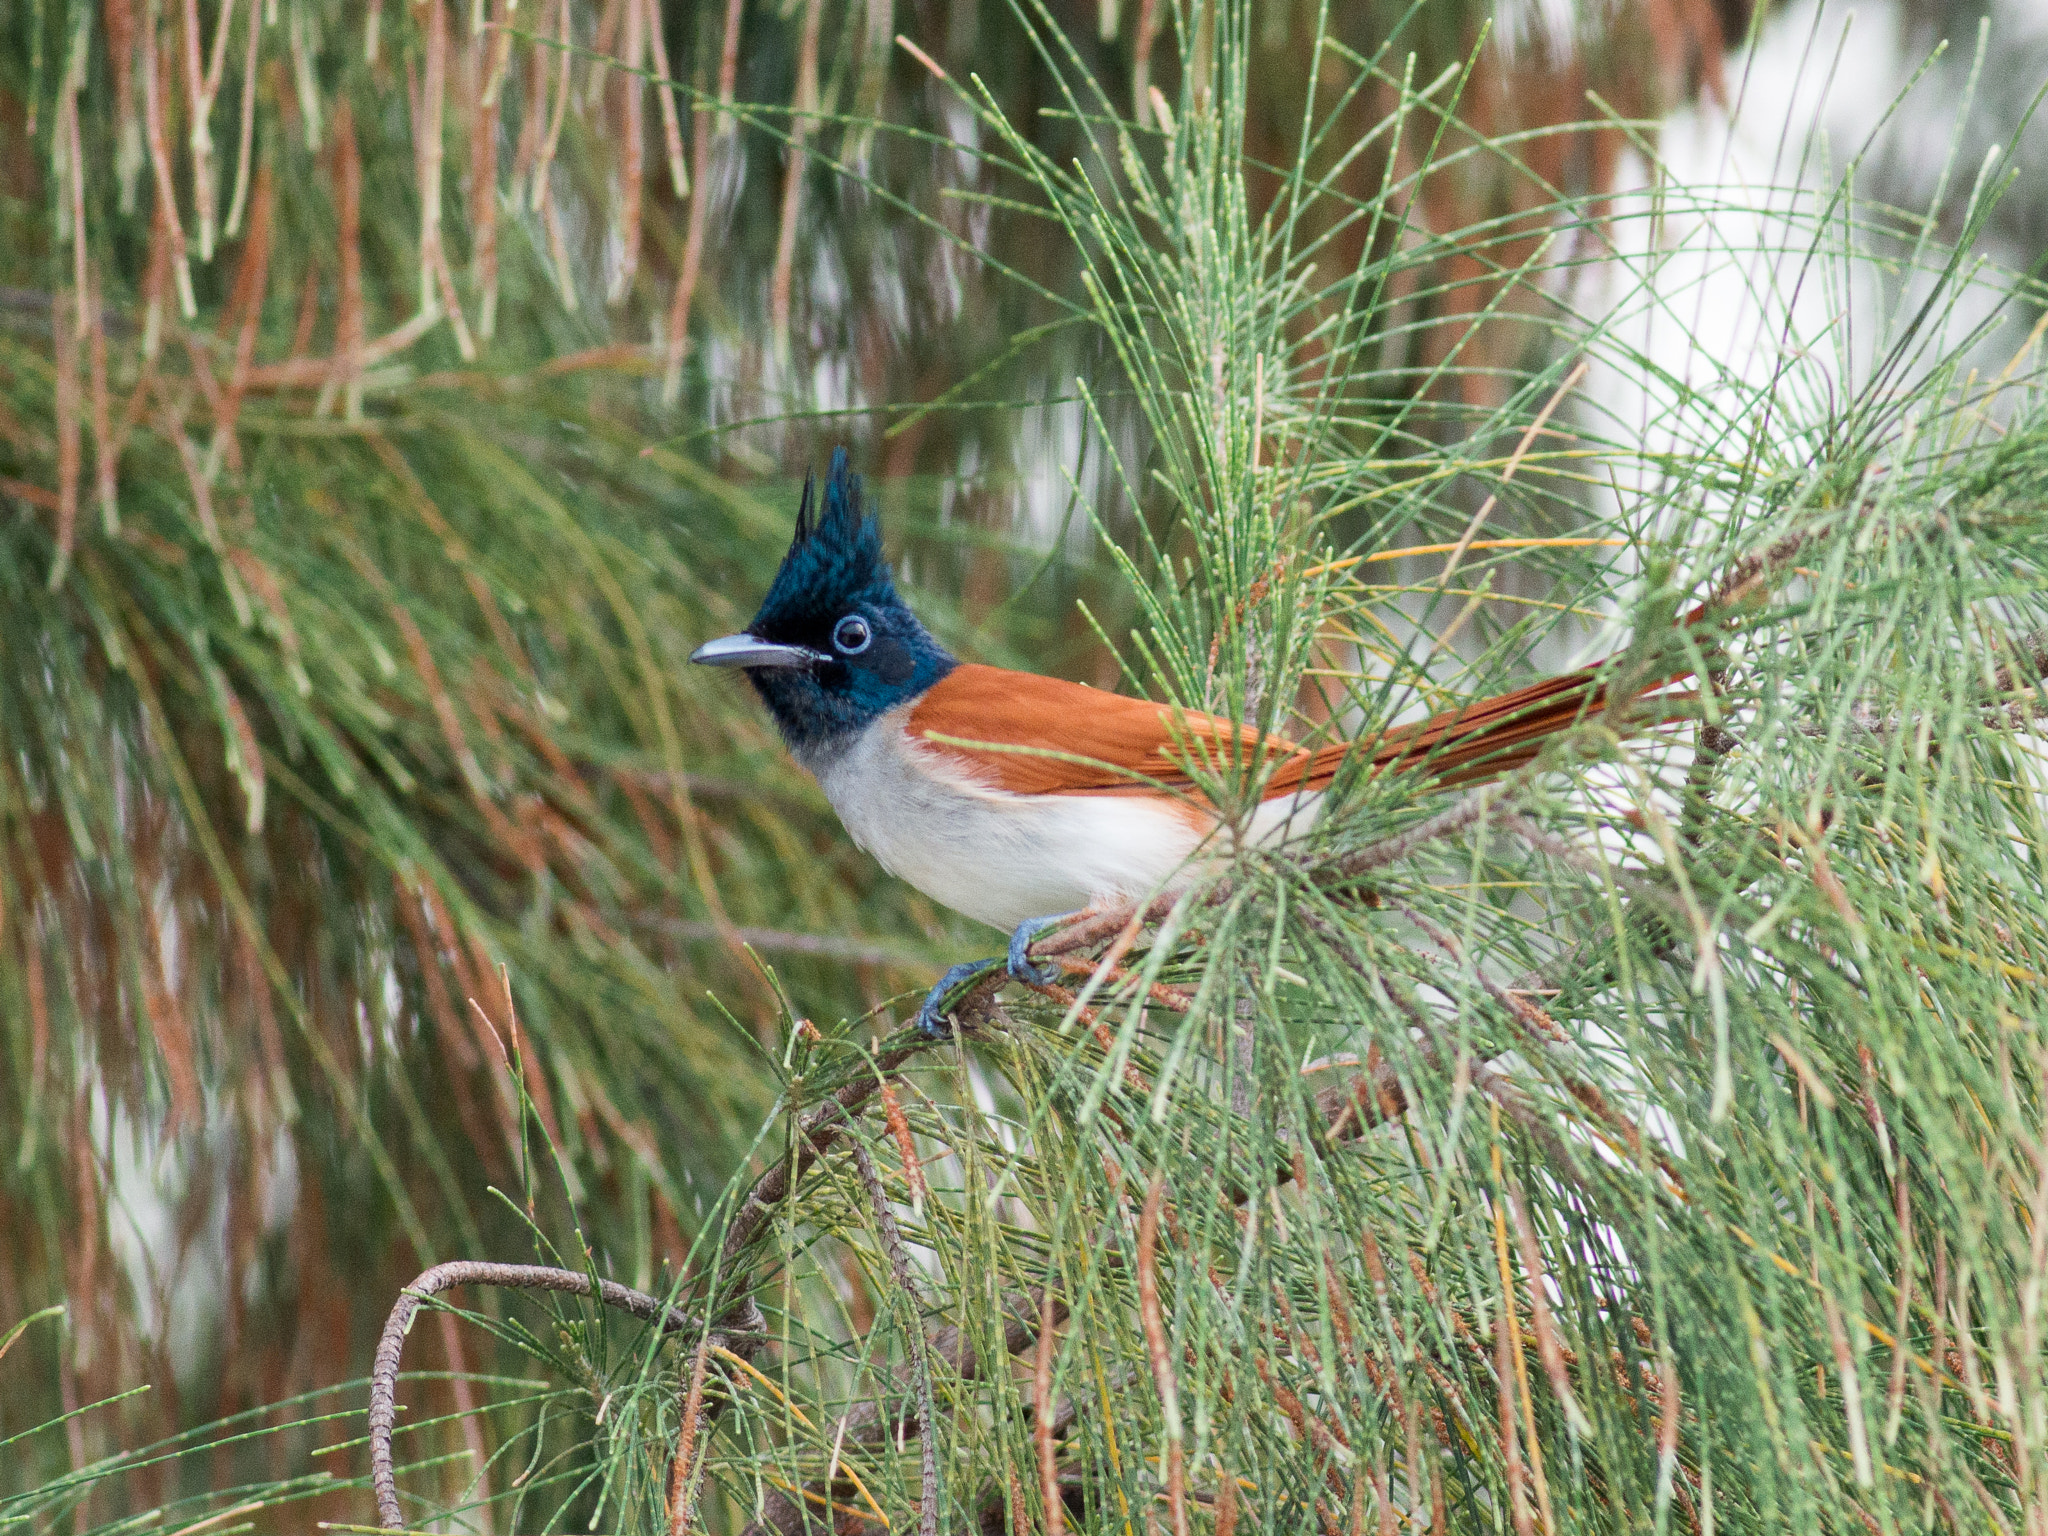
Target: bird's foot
(952, 987)
(963, 978)
(1022, 967)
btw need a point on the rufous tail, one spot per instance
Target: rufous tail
(1481, 740)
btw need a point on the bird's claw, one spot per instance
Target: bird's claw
(1022, 967)
(939, 1002)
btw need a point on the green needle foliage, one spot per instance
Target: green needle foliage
(1650, 1138)
(1646, 1139)
(381, 387)
(342, 657)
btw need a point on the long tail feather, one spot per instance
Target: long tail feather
(1481, 740)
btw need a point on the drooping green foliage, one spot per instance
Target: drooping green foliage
(391, 396)
(1647, 1140)
(1651, 1139)
(340, 668)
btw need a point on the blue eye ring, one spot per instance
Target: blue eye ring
(851, 635)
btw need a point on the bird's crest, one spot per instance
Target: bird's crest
(834, 560)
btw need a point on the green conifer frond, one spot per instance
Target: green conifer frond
(1649, 1138)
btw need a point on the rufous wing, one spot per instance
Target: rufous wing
(1106, 743)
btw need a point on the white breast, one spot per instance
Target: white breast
(996, 856)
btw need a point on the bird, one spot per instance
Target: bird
(1021, 800)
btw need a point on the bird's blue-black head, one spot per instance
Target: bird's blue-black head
(833, 646)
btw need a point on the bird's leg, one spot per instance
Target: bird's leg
(1022, 967)
(941, 1000)
(954, 985)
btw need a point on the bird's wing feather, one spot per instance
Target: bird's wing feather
(1106, 743)
(1110, 744)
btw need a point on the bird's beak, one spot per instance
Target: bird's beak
(751, 651)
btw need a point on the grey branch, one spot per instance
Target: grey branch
(1488, 799)
(817, 1132)
(521, 1277)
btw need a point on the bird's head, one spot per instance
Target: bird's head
(832, 646)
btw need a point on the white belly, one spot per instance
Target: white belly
(996, 856)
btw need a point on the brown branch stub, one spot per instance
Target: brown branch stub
(1362, 1099)
(442, 1277)
(1041, 1417)
(1753, 572)
(681, 1478)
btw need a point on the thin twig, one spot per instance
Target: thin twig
(800, 125)
(1158, 1352)
(533, 114)
(428, 149)
(521, 1277)
(1141, 61)
(63, 333)
(158, 138)
(678, 329)
(1535, 1022)
(780, 941)
(493, 54)
(906, 1148)
(1487, 1078)
(1587, 862)
(665, 89)
(198, 106)
(1504, 1376)
(681, 1478)
(729, 65)
(817, 1132)
(914, 1340)
(106, 456)
(1547, 1346)
(74, 154)
(349, 330)
(246, 137)
(1571, 381)
(552, 140)
(1177, 999)
(632, 149)
(1041, 1422)
(252, 280)
(1483, 803)
(1093, 927)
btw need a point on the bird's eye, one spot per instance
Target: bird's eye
(851, 635)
